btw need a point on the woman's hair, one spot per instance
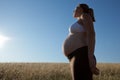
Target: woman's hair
(91, 12)
(88, 10)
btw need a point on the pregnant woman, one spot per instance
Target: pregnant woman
(79, 45)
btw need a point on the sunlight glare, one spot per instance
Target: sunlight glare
(3, 40)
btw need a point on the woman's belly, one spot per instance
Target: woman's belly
(73, 42)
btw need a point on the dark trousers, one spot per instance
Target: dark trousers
(80, 64)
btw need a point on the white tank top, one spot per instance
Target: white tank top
(76, 27)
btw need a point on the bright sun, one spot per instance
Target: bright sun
(3, 40)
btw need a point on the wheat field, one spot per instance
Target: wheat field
(52, 71)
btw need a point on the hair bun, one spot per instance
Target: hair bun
(91, 12)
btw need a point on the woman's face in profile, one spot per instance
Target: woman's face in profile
(77, 12)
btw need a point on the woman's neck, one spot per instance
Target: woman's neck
(80, 21)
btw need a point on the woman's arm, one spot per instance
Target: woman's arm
(88, 24)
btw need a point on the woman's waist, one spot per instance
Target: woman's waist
(68, 48)
(77, 51)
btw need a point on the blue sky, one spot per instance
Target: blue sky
(37, 29)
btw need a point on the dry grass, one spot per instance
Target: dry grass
(109, 71)
(51, 71)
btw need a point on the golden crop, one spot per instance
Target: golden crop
(52, 71)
